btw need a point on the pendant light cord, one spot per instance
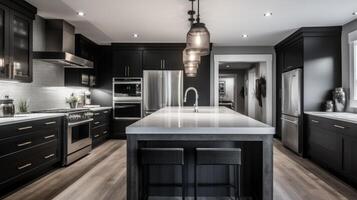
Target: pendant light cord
(198, 11)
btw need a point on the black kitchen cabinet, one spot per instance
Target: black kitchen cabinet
(163, 59)
(127, 63)
(333, 145)
(16, 40)
(84, 48)
(309, 48)
(29, 149)
(100, 128)
(294, 55)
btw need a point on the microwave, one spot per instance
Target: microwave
(127, 89)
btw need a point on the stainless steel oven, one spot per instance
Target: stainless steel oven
(127, 110)
(127, 89)
(78, 135)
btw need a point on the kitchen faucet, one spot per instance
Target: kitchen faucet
(195, 106)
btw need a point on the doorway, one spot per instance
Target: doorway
(252, 92)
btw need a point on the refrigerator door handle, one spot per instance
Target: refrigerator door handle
(290, 121)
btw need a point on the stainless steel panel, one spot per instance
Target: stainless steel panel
(290, 132)
(63, 58)
(75, 146)
(291, 92)
(172, 88)
(153, 89)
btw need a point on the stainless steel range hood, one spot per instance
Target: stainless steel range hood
(60, 46)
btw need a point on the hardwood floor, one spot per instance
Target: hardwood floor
(102, 176)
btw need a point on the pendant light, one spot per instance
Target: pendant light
(198, 37)
(190, 57)
(191, 69)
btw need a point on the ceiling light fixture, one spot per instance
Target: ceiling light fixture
(268, 14)
(80, 13)
(135, 35)
(198, 37)
(354, 13)
(228, 66)
(197, 42)
(244, 36)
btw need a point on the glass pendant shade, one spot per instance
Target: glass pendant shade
(191, 69)
(198, 39)
(190, 57)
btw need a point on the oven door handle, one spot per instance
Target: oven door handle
(128, 106)
(79, 123)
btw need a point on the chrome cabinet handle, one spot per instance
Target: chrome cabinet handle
(96, 136)
(128, 70)
(338, 126)
(290, 121)
(105, 132)
(49, 136)
(24, 128)
(24, 166)
(163, 64)
(49, 123)
(96, 123)
(96, 114)
(24, 144)
(49, 156)
(315, 121)
(105, 112)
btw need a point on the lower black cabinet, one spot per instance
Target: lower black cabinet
(100, 127)
(333, 145)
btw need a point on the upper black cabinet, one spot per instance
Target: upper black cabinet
(127, 63)
(163, 59)
(294, 56)
(16, 40)
(87, 49)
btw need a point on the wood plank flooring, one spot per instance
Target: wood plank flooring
(102, 176)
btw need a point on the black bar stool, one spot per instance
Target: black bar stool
(219, 156)
(157, 157)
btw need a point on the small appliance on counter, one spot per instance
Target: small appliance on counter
(7, 107)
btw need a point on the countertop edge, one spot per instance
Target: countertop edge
(320, 114)
(32, 118)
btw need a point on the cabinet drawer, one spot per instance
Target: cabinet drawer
(101, 118)
(28, 127)
(334, 125)
(24, 161)
(13, 144)
(100, 131)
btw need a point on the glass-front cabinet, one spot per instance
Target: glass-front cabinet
(4, 67)
(21, 48)
(16, 42)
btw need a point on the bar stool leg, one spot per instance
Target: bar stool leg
(195, 182)
(183, 171)
(238, 182)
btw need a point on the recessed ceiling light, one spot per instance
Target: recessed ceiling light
(354, 13)
(228, 66)
(135, 35)
(244, 36)
(268, 14)
(80, 13)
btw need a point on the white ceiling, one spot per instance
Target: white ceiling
(108, 21)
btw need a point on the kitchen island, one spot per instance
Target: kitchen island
(217, 127)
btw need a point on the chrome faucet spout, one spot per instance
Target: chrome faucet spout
(196, 95)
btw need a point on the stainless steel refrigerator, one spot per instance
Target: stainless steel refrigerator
(162, 88)
(291, 109)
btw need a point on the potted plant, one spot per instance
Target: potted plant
(72, 101)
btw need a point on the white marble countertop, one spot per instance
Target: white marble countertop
(100, 108)
(208, 120)
(27, 117)
(342, 116)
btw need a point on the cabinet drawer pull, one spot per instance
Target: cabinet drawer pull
(96, 135)
(96, 123)
(24, 128)
(24, 166)
(24, 144)
(338, 126)
(49, 123)
(105, 112)
(105, 132)
(49, 136)
(315, 121)
(49, 156)
(96, 114)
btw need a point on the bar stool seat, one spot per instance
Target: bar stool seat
(219, 156)
(158, 157)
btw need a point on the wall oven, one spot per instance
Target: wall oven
(127, 98)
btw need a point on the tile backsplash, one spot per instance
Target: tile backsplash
(46, 91)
